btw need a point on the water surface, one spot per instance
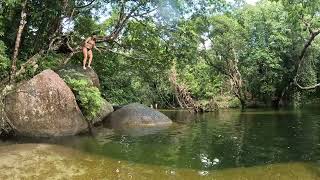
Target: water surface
(220, 145)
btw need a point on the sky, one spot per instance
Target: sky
(251, 1)
(70, 26)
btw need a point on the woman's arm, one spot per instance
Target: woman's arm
(96, 48)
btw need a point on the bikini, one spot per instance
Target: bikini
(88, 49)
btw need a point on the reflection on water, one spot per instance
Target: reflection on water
(212, 142)
(140, 131)
(220, 140)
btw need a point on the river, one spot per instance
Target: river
(229, 144)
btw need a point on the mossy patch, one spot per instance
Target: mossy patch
(88, 96)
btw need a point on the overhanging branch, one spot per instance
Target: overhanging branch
(305, 87)
(86, 5)
(313, 35)
(123, 19)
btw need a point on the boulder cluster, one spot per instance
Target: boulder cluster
(45, 106)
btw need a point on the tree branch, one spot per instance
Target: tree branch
(31, 61)
(86, 5)
(124, 54)
(305, 87)
(313, 35)
(148, 12)
(123, 19)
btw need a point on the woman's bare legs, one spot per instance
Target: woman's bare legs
(85, 56)
(90, 58)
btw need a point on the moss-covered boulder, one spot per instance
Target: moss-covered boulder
(137, 115)
(84, 85)
(92, 75)
(44, 106)
(78, 71)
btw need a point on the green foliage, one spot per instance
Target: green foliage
(4, 62)
(269, 42)
(201, 81)
(50, 61)
(88, 97)
(204, 38)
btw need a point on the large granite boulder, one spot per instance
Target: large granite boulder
(137, 115)
(44, 106)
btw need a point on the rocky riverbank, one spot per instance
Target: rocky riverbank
(67, 103)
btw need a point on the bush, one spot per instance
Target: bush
(88, 97)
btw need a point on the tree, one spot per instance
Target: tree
(305, 15)
(228, 44)
(18, 39)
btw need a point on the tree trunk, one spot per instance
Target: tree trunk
(182, 94)
(18, 39)
(236, 81)
(243, 103)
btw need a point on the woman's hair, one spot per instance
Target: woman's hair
(93, 36)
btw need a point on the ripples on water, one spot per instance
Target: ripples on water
(211, 141)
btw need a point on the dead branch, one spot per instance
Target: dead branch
(182, 94)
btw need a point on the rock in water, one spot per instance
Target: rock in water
(137, 115)
(44, 106)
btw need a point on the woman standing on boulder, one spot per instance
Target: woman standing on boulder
(88, 45)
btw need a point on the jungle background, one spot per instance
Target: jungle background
(173, 53)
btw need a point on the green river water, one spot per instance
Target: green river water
(256, 144)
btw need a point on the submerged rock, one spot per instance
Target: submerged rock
(44, 106)
(137, 115)
(141, 131)
(44, 161)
